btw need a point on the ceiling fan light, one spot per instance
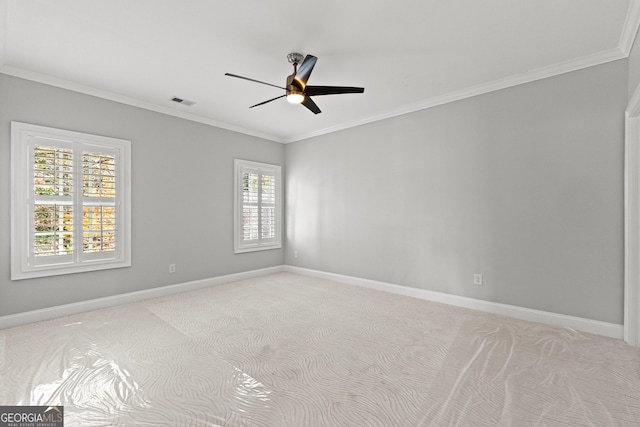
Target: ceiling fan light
(295, 97)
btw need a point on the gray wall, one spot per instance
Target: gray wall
(523, 185)
(182, 195)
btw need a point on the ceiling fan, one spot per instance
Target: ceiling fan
(297, 91)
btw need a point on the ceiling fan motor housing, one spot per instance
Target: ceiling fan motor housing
(291, 86)
(293, 89)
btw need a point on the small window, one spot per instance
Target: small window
(257, 206)
(70, 202)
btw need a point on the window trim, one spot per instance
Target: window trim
(22, 193)
(239, 247)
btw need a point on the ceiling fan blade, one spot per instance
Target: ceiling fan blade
(304, 71)
(331, 90)
(268, 100)
(253, 80)
(308, 102)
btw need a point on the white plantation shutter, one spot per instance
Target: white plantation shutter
(52, 214)
(250, 205)
(257, 206)
(99, 209)
(267, 205)
(70, 202)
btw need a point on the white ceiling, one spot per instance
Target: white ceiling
(408, 54)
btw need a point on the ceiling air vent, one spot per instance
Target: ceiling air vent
(182, 101)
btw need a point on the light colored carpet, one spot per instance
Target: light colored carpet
(288, 350)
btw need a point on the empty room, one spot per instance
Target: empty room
(291, 213)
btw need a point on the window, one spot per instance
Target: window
(70, 199)
(257, 206)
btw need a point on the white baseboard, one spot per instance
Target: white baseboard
(578, 323)
(19, 319)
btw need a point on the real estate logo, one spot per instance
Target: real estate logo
(31, 416)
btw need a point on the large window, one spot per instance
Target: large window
(70, 202)
(257, 206)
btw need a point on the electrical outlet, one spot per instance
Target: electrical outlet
(295, 254)
(477, 279)
(172, 268)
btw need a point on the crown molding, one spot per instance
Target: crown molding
(630, 28)
(510, 81)
(123, 99)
